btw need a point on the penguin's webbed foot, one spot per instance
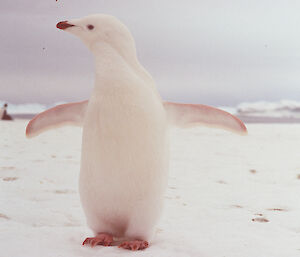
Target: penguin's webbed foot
(101, 239)
(134, 245)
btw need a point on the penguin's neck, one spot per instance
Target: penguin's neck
(113, 64)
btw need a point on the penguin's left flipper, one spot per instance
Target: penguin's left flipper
(189, 115)
(60, 115)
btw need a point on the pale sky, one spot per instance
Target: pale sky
(200, 51)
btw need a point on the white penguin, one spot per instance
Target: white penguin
(124, 164)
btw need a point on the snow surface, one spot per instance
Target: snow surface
(227, 196)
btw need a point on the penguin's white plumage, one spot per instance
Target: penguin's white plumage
(124, 145)
(124, 163)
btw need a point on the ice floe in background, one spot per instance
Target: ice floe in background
(262, 111)
(27, 108)
(281, 109)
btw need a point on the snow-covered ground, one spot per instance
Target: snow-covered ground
(227, 195)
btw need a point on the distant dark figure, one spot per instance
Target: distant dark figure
(3, 113)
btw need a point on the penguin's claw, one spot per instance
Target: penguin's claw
(134, 245)
(101, 239)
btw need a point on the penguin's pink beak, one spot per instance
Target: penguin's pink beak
(64, 25)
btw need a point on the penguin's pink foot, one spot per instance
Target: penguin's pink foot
(134, 245)
(101, 239)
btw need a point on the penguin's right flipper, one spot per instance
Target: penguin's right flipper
(189, 115)
(58, 116)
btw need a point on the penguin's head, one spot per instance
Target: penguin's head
(99, 28)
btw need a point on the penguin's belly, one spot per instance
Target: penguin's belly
(124, 163)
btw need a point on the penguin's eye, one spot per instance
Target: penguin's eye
(90, 27)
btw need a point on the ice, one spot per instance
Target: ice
(281, 109)
(261, 109)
